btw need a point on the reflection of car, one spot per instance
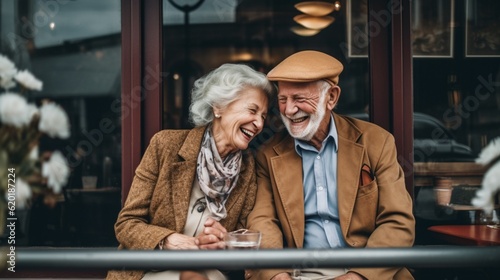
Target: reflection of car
(433, 141)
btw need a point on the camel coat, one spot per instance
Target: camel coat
(373, 213)
(157, 204)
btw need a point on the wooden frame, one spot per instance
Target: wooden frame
(433, 34)
(432, 30)
(461, 173)
(141, 82)
(391, 88)
(357, 28)
(482, 28)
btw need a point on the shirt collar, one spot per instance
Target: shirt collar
(332, 136)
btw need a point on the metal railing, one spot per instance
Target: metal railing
(416, 257)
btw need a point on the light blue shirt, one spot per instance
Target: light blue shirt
(322, 225)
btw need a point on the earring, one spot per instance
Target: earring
(217, 116)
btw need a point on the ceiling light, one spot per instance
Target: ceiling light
(306, 32)
(315, 8)
(313, 22)
(337, 5)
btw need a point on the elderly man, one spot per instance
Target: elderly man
(328, 181)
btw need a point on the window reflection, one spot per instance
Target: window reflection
(459, 94)
(74, 48)
(257, 33)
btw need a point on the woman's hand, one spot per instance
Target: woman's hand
(212, 236)
(177, 241)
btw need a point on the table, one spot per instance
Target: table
(91, 215)
(475, 235)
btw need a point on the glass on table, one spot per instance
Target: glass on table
(490, 219)
(243, 239)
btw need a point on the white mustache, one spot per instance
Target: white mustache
(298, 115)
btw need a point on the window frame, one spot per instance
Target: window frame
(391, 87)
(390, 72)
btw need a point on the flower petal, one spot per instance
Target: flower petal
(14, 110)
(54, 121)
(56, 171)
(29, 81)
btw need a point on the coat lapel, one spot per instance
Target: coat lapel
(287, 168)
(182, 184)
(350, 154)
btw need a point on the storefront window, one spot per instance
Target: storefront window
(456, 99)
(257, 33)
(73, 48)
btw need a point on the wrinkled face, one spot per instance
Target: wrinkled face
(302, 108)
(240, 121)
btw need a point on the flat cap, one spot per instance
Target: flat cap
(307, 66)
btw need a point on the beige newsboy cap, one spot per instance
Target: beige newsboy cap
(307, 66)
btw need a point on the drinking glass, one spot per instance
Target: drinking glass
(492, 219)
(89, 182)
(243, 239)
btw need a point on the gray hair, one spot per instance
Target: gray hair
(323, 87)
(221, 87)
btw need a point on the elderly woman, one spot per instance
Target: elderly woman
(193, 186)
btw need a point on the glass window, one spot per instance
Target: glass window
(456, 99)
(73, 48)
(260, 34)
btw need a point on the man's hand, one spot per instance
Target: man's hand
(282, 276)
(350, 276)
(212, 236)
(177, 241)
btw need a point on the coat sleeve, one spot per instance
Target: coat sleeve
(264, 218)
(249, 196)
(394, 220)
(132, 228)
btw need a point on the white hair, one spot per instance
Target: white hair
(221, 87)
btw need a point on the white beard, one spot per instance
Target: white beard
(313, 125)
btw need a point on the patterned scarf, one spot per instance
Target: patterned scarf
(217, 178)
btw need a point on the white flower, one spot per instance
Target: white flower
(31, 111)
(490, 152)
(14, 110)
(56, 171)
(34, 153)
(485, 197)
(22, 194)
(7, 83)
(7, 72)
(27, 79)
(54, 121)
(6, 65)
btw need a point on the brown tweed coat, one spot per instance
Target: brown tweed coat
(376, 213)
(158, 202)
